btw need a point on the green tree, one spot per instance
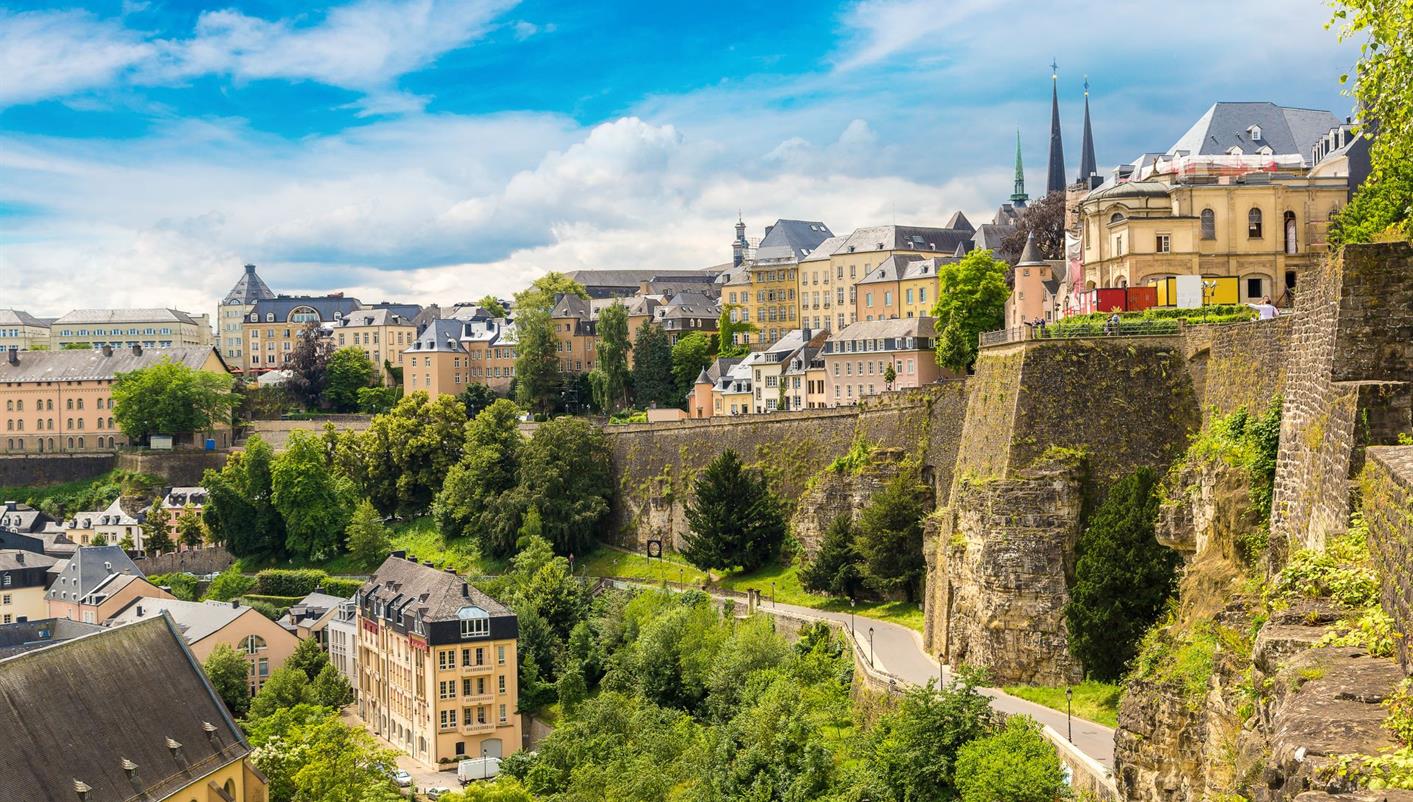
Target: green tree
(890, 375)
(368, 540)
(1016, 764)
(543, 291)
(610, 374)
(571, 688)
(157, 530)
(971, 299)
(308, 657)
(492, 305)
(1383, 206)
(377, 400)
(327, 761)
(889, 537)
(331, 688)
(229, 675)
(286, 686)
(1043, 217)
(347, 371)
(99, 540)
(308, 364)
(314, 501)
(1123, 578)
(770, 750)
(170, 398)
(473, 501)
(915, 748)
(400, 462)
(653, 381)
(502, 789)
(230, 584)
(537, 378)
(239, 512)
(733, 518)
(564, 475)
(690, 355)
(727, 331)
(477, 397)
(835, 569)
(190, 528)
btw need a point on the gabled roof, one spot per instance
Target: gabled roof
(890, 327)
(825, 249)
(80, 365)
(249, 289)
(688, 305)
(26, 636)
(440, 335)
(194, 620)
(91, 569)
(16, 317)
(1284, 129)
(20, 517)
(791, 240)
(571, 305)
(114, 316)
(84, 706)
(990, 236)
(410, 587)
(18, 559)
(328, 307)
(904, 238)
(959, 222)
(381, 316)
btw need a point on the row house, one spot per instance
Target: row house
(61, 401)
(769, 297)
(436, 664)
(24, 578)
(856, 359)
(900, 287)
(575, 323)
(95, 584)
(769, 383)
(452, 353)
(127, 328)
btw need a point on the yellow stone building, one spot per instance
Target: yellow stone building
(231, 314)
(21, 331)
(125, 328)
(381, 334)
(437, 664)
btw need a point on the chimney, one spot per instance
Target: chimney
(139, 611)
(20, 557)
(465, 590)
(136, 349)
(107, 349)
(235, 604)
(14, 356)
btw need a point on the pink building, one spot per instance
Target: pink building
(856, 359)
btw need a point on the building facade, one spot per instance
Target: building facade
(126, 328)
(436, 664)
(899, 287)
(381, 334)
(272, 327)
(95, 584)
(60, 401)
(231, 314)
(856, 359)
(769, 297)
(24, 577)
(21, 331)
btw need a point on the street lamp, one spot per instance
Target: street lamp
(484, 768)
(772, 594)
(870, 647)
(1069, 726)
(853, 633)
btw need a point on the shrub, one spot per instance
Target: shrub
(853, 461)
(297, 582)
(182, 585)
(230, 584)
(1341, 572)
(1016, 764)
(341, 586)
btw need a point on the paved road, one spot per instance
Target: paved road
(898, 650)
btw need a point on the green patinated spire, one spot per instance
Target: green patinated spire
(1018, 196)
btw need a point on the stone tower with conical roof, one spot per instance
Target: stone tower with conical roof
(1055, 177)
(234, 307)
(1088, 170)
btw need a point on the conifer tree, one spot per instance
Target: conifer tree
(733, 518)
(835, 569)
(890, 537)
(368, 540)
(157, 530)
(653, 382)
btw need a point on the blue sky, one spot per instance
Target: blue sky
(435, 151)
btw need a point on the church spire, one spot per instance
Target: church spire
(1055, 181)
(1018, 196)
(1087, 166)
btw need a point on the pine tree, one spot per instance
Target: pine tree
(835, 569)
(190, 527)
(610, 375)
(368, 540)
(653, 382)
(157, 530)
(733, 518)
(1123, 578)
(890, 537)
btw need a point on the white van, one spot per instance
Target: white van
(477, 768)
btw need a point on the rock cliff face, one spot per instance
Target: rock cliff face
(832, 494)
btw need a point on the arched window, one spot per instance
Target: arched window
(254, 644)
(1290, 244)
(71, 442)
(80, 442)
(1209, 224)
(1253, 224)
(1116, 217)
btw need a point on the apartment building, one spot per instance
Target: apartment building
(273, 326)
(114, 524)
(771, 301)
(95, 584)
(856, 359)
(60, 401)
(437, 364)
(126, 328)
(575, 322)
(770, 385)
(21, 331)
(381, 334)
(437, 664)
(208, 624)
(899, 287)
(231, 314)
(341, 640)
(803, 377)
(24, 577)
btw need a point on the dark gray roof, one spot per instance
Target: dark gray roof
(889, 327)
(791, 240)
(440, 335)
(1030, 254)
(688, 305)
(904, 238)
(1284, 130)
(20, 517)
(90, 569)
(599, 283)
(438, 595)
(16, 559)
(16, 317)
(990, 236)
(959, 222)
(78, 365)
(105, 316)
(249, 289)
(194, 620)
(328, 307)
(571, 305)
(390, 315)
(26, 636)
(83, 706)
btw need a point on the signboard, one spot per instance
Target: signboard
(654, 548)
(1189, 292)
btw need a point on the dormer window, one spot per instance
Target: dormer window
(475, 622)
(1235, 151)
(1255, 132)
(1265, 150)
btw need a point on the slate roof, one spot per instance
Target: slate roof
(324, 305)
(440, 335)
(596, 282)
(83, 706)
(959, 222)
(882, 329)
(791, 240)
(904, 238)
(380, 316)
(16, 317)
(1284, 129)
(66, 365)
(91, 569)
(402, 583)
(177, 497)
(107, 316)
(688, 305)
(825, 249)
(25, 636)
(308, 610)
(20, 517)
(17, 559)
(990, 236)
(249, 289)
(1030, 254)
(112, 515)
(194, 620)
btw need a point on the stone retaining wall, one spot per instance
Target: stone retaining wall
(180, 468)
(1387, 490)
(208, 560)
(37, 470)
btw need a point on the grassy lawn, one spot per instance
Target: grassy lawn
(611, 562)
(1095, 701)
(418, 537)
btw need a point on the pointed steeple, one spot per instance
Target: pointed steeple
(1055, 179)
(1087, 166)
(739, 246)
(1030, 254)
(1018, 196)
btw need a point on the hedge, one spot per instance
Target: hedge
(300, 582)
(340, 586)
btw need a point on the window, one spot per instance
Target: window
(446, 689)
(1290, 243)
(254, 644)
(475, 622)
(500, 659)
(500, 680)
(447, 719)
(1255, 132)
(1116, 217)
(1253, 224)
(1209, 224)
(502, 714)
(446, 660)
(1165, 243)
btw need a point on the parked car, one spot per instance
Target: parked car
(436, 791)
(477, 768)
(402, 778)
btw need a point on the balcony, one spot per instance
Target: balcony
(482, 668)
(478, 698)
(477, 727)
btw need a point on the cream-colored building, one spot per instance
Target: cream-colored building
(125, 328)
(24, 576)
(113, 524)
(21, 331)
(381, 334)
(437, 664)
(60, 401)
(230, 316)
(768, 292)
(264, 644)
(899, 287)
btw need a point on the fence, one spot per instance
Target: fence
(1075, 329)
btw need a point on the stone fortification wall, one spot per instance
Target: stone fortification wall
(276, 432)
(1238, 364)
(1386, 486)
(208, 560)
(1350, 386)
(173, 467)
(38, 470)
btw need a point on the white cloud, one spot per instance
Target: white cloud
(46, 54)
